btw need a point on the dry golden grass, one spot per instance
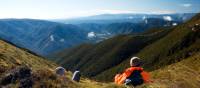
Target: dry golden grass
(42, 70)
(184, 74)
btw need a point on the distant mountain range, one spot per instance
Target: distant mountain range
(120, 18)
(42, 37)
(157, 48)
(107, 53)
(171, 55)
(45, 37)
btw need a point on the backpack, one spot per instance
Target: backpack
(135, 74)
(135, 78)
(76, 76)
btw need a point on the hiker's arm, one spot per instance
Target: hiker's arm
(146, 77)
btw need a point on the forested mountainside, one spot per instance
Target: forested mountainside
(157, 48)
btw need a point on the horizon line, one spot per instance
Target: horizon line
(134, 13)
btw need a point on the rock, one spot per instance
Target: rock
(10, 78)
(26, 83)
(2, 69)
(23, 74)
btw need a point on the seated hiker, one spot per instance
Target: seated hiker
(76, 76)
(60, 71)
(135, 75)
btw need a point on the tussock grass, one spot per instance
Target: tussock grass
(184, 74)
(43, 73)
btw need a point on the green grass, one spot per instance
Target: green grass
(173, 60)
(184, 74)
(94, 59)
(12, 57)
(172, 48)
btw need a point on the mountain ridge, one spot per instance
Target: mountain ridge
(87, 57)
(172, 48)
(45, 37)
(42, 71)
(120, 18)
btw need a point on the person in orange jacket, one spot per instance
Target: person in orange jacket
(134, 75)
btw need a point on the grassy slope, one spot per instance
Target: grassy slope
(182, 42)
(184, 74)
(93, 59)
(12, 57)
(178, 44)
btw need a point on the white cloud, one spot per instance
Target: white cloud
(167, 18)
(163, 12)
(186, 5)
(144, 17)
(174, 24)
(130, 17)
(91, 35)
(62, 40)
(115, 11)
(103, 11)
(146, 21)
(52, 38)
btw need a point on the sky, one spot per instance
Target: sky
(56, 9)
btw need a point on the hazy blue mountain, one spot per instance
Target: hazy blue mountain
(104, 26)
(45, 37)
(100, 32)
(158, 48)
(42, 37)
(120, 18)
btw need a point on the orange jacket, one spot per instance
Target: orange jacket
(120, 78)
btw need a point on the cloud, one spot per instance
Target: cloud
(167, 18)
(107, 11)
(52, 38)
(163, 12)
(104, 11)
(91, 35)
(186, 5)
(62, 40)
(115, 11)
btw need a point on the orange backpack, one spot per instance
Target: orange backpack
(120, 78)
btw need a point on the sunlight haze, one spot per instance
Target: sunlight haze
(53, 9)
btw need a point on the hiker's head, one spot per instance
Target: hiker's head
(135, 62)
(60, 71)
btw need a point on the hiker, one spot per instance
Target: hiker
(60, 71)
(76, 76)
(135, 75)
